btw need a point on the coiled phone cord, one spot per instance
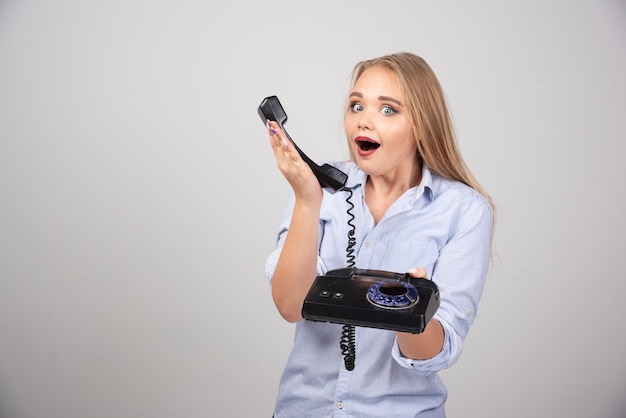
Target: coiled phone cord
(347, 343)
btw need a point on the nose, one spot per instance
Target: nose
(364, 121)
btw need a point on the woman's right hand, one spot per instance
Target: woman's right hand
(296, 267)
(297, 172)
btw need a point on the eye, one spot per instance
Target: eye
(356, 107)
(388, 110)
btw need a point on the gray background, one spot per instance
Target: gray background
(140, 196)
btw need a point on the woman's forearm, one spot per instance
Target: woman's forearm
(297, 266)
(422, 346)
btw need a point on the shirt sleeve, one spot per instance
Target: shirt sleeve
(459, 273)
(272, 260)
(461, 269)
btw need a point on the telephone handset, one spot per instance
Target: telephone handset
(329, 177)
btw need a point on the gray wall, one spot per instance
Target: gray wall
(140, 196)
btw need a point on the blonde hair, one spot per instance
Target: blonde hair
(432, 124)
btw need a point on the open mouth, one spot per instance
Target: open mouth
(366, 144)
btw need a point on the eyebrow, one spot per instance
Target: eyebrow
(381, 98)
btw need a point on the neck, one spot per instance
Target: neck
(382, 191)
(397, 182)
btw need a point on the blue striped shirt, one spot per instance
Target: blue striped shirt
(441, 225)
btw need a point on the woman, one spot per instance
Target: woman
(417, 209)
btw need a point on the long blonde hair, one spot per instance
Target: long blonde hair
(429, 115)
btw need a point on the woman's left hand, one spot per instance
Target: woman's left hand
(418, 273)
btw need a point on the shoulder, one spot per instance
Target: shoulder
(459, 198)
(453, 189)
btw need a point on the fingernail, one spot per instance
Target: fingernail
(267, 125)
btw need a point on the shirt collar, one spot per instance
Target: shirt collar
(426, 184)
(358, 178)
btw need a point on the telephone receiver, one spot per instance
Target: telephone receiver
(329, 177)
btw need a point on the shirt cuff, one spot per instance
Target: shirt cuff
(272, 260)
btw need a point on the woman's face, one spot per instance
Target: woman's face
(377, 126)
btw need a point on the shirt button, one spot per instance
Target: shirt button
(368, 244)
(340, 405)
